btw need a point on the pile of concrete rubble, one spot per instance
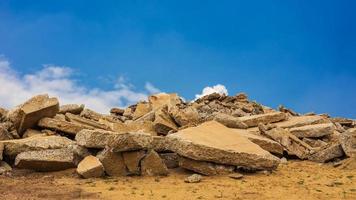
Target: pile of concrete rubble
(213, 135)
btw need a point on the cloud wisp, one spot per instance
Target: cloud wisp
(220, 89)
(58, 81)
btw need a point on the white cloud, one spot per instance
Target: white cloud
(221, 89)
(151, 88)
(58, 81)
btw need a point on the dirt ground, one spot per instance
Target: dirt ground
(294, 180)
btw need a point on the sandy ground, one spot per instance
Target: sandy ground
(295, 180)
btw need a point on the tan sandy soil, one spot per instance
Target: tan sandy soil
(296, 180)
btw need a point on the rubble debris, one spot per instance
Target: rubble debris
(71, 108)
(28, 114)
(117, 111)
(159, 100)
(327, 153)
(184, 117)
(281, 108)
(302, 121)
(113, 162)
(4, 134)
(254, 120)
(265, 143)
(163, 123)
(153, 165)
(212, 141)
(46, 160)
(170, 160)
(291, 143)
(142, 109)
(90, 167)
(348, 142)
(315, 143)
(99, 139)
(195, 178)
(4, 167)
(313, 131)
(14, 147)
(229, 121)
(32, 132)
(60, 125)
(205, 168)
(90, 114)
(89, 124)
(132, 160)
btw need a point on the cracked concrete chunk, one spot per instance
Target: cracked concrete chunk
(163, 122)
(71, 108)
(229, 121)
(113, 162)
(205, 168)
(254, 120)
(348, 142)
(46, 160)
(153, 165)
(60, 125)
(90, 167)
(327, 153)
(212, 141)
(14, 147)
(313, 131)
(117, 141)
(132, 161)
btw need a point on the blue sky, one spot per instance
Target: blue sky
(301, 54)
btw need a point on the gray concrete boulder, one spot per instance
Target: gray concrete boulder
(213, 142)
(205, 168)
(90, 167)
(46, 160)
(313, 131)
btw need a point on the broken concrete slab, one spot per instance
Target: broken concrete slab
(205, 168)
(119, 142)
(254, 120)
(33, 110)
(32, 132)
(229, 121)
(313, 131)
(170, 160)
(89, 124)
(71, 108)
(46, 160)
(188, 116)
(90, 167)
(15, 147)
(302, 121)
(62, 126)
(90, 114)
(265, 143)
(291, 143)
(113, 162)
(327, 153)
(159, 100)
(212, 141)
(142, 109)
(348, 142)
(163, 122)
(153, 165)
(4, 167)
(132, 161)
(315, 143)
